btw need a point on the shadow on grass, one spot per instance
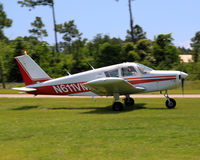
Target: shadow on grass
(107, 109)
(103, 110)
(25, 108)
(95, 110)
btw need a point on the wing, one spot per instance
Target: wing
(108, 86)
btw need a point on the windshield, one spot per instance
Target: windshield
(143, 69)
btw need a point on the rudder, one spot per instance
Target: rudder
(31, 72)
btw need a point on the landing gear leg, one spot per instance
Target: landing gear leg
(117, 106)
(170, 102)
(129, 101)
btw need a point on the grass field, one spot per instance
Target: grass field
(81, 129)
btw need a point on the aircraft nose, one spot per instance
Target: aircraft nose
(183, 75)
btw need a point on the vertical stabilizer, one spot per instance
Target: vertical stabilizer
(31, 71)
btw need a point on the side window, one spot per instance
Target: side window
(113, 73)
(128, 71)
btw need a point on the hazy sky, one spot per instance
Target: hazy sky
(179, 17)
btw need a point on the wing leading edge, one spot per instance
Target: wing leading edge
(109, 86)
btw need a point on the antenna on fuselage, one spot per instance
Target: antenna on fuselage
(90, 65)
(67, 72)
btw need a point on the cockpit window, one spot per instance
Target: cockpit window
(112, 73)
(144, 69)
(128, 71)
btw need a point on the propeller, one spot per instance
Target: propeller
(183, 75)
(182, 79)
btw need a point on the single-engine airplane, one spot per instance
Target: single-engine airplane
(115, 80)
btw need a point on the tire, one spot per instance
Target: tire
(117, 106)
(171, 104)
(129, 101)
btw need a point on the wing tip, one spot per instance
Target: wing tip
(24, 89)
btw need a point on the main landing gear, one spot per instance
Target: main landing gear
(118, 106)
(170, 102)
(128, 101)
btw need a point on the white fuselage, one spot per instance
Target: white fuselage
(150, 80)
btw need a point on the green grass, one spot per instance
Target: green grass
(9, 87)
(81, 129)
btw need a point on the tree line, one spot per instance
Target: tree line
(74, 52)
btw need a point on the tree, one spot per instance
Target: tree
(38, 30)
(131, 21)
(129, 53)
(4, 22)
(2, 72)
(164, 52)
(196, 46)
(136, 35)
(50, 3)
(94, 45)
(108, 55)
(14, 73)
(70, 34)
(184, 50)
(144, 48)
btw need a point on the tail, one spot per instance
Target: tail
(31, 71)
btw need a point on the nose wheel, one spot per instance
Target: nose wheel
(170, 102)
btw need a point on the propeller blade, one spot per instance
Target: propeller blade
(182, 82)
(182, 79)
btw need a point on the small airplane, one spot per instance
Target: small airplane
(115, 80)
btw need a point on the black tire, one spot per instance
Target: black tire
(170, 104)
(117, 106)
(129, 101)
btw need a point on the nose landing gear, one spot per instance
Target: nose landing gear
(170, 102)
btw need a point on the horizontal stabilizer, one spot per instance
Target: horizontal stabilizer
(25, 89)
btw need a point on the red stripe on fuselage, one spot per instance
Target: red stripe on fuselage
(149, 80)
(171, 76)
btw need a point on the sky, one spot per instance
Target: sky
(108, 17)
